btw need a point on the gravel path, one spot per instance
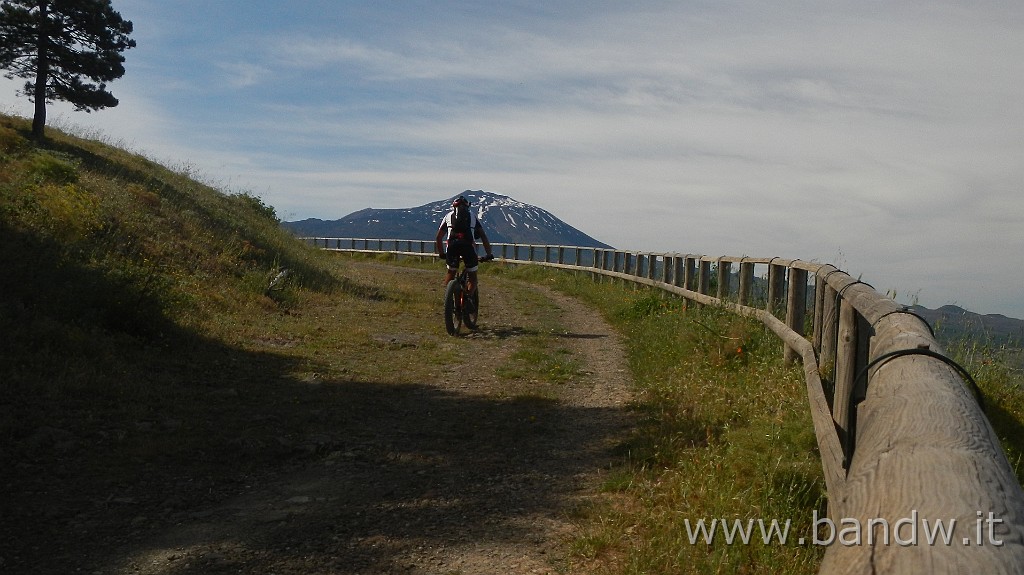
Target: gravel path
(468, 475)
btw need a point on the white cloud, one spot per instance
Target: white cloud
(243, 74)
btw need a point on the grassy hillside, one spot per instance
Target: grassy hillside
(106, 252)
(135, 300)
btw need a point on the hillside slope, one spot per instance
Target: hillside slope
(119, 282)
(955, 324)
(101, 239)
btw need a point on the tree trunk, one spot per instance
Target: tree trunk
(42, 72)
(39, 119)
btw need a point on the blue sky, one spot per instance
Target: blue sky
(886, 137)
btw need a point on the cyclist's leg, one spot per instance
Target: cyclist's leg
(452, 263)
(472, 265)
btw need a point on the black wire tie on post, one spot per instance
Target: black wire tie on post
(885, 357)
(839, 294)
(908, 311)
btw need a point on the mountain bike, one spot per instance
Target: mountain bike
(460, 307)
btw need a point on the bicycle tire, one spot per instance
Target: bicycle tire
(452, 311)
(471, 309)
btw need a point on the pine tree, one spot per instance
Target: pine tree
(67, 49)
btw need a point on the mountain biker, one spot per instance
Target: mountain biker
(459, 228)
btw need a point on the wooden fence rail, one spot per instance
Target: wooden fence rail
(917, 481)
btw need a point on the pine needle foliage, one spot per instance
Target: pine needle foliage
(67, 50)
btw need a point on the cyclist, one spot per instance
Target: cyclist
(459, 228)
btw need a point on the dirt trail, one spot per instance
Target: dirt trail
(467, 475)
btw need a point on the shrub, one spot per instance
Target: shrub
(46, 167)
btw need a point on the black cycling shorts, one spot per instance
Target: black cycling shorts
(464, 250)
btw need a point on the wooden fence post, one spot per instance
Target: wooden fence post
(677, 270)
(796, 308)
(724, 275)
(925, 453)
(829, 332)
(819, 312)
(746, 282)
(704, 277)
(845, 375)
(776, 288)
(689, 272)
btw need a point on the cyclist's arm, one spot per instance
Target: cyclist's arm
(482, 235)
(438, 246)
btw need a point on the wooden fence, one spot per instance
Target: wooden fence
(917, 481)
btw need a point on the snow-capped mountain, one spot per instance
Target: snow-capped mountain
(504, 219)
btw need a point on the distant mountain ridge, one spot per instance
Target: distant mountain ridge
(505, 220)
(952, 323)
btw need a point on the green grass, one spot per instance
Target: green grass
(724, 433)
(536, 359)
(997, 370)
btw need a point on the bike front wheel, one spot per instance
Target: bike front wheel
(453, 308)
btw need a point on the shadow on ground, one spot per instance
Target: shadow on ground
(500, 332)
(131, 445)
(210, 459)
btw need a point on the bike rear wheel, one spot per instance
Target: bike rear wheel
(453, 307)
(471, 309)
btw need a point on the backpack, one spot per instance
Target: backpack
(461, 221)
